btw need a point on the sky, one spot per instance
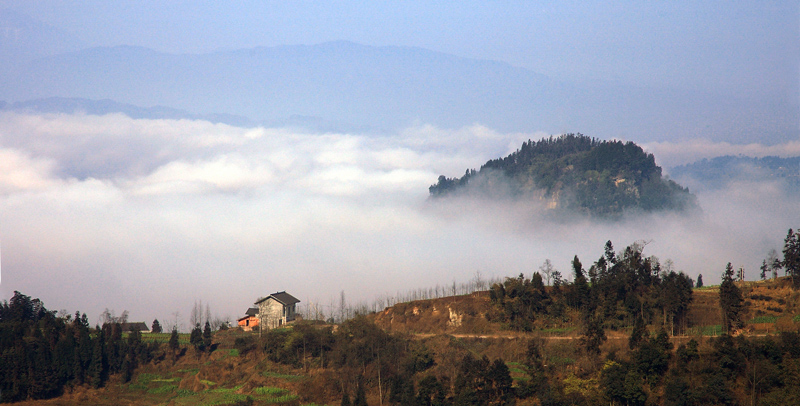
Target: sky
(747, 46)
(169, 212)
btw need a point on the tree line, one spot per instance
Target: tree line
(41, 354)
(617, 291)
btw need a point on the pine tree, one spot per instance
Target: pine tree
(361, 397)
(638, 333)
(174, 343)
(345, 399)
(156, 328)
(791, 256)
(730, 300)
(699, 281)
(196, 338)
(580, 285)
(207, 336)
(499, 383)
(594, 336)
(98, 368)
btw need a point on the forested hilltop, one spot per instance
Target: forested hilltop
(577, 173)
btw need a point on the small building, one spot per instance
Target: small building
(276, 310)
(136, 326)
(250, 319)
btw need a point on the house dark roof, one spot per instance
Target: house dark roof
(252, 311)
(282, 297)
(136, 326)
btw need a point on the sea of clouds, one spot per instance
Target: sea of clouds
(152, 215)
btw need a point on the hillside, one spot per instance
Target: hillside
(770, 306)
(445, 350)
(576, 173)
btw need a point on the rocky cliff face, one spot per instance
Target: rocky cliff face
(452, 315)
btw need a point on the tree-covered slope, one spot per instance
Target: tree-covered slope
(575, 172)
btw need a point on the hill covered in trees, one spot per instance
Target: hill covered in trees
(576, 173)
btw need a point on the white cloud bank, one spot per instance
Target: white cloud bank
(151, 215)
(671, 154)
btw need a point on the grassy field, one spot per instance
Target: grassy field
(163, 338)
(208, 381)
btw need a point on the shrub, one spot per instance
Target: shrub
(245, 344)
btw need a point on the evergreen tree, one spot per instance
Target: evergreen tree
(593, 336)
(127, 369)
(730, 300)
(361, 397)
(609, 254)
(98, 369)
(207, 336)
(113, 346)
(791, 256)
(638, 333)
(345, 399)
(196, 338)
(174, 343)
(699, 283)
(156, 327)
(580, 287)
(500, 389)
(431, 392)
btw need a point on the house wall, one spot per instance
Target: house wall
(270, 312)
(290, 312)
(248, 323)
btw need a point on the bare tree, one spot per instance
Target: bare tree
(342, 307)
(64, 315)
(773, 262)
(547, 270)
(479, 282)
(217, 322)
(669, 266)
(109, 317)
(175, 323)
(196, 317)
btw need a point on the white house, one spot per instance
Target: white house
(276, 310)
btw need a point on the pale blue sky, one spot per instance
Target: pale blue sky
(743, 46)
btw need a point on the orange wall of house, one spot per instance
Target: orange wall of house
(253, 322)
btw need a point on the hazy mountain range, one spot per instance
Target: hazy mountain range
(721, 171)
(342, 86)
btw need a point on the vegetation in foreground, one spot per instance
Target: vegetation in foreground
(624, 354)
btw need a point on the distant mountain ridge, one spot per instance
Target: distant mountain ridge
(102, 107)
(718, 172)
(379, 90)
(74, 105)
(576, 173)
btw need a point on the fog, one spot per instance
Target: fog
(150, 216)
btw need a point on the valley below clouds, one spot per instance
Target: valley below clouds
(150, 215)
